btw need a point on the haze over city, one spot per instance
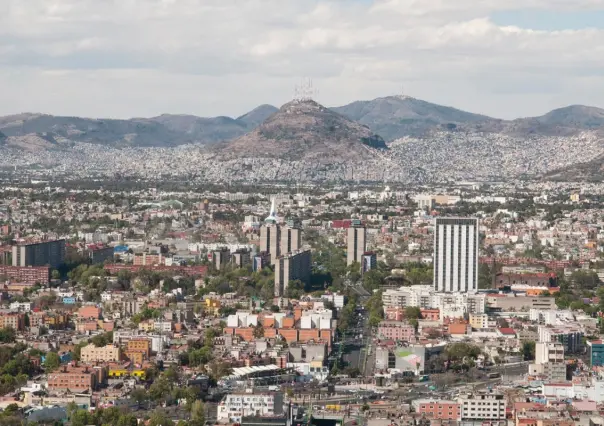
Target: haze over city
(208, 57)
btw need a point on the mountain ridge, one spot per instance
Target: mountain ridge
(390, 117)
(304, 131)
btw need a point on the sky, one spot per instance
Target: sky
(141, 58)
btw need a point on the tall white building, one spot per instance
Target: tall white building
(456, 242)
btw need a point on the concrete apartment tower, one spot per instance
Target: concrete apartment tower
(356, 244)
(46, 253)
(270, 235)
(291, 239)
(456, 245)
(291, 267)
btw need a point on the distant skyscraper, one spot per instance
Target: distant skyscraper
(270, 235)
(356, 244)
(221, 257)
(291, 267)
(47, 253)
(241, 258)
(291, 239)
(369, 262)
(456, 242)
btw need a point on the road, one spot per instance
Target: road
(358, 353)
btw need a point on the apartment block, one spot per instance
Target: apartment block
(16, 321)
(27, 274)
(75, 379)
(220, 258)
(487, 406)
(479, 320)
(356, 244)
(552, 372)
(441, 410)
(237, 405)
(47, 253)
(549, 352)
(139, 345)
(571, 337)
(456, 247)
(291, 239)
(396, 330)
(270, 241)
(291, 267)
(109, 353)
(596, 353)
(241, 258)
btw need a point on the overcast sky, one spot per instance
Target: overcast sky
(125, 58)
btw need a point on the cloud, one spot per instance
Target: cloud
(255, 50)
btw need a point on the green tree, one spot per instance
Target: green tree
(373, 279)
(7, 335)
(413, 312)
(159, 418)
(528, 350)
(101, 340)
(160, 389)
(127, 419)
(585, 279)
(258, 331)
(52, 361)
(139, 395)
(198, 413)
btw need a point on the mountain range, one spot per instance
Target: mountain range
(390, 117)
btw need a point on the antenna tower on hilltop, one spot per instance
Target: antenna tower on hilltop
(403, 95)
(304, 91)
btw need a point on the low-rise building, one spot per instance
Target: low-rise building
(91, 353)
(234, 406)
(485, 406)
(442, 410)
(396, 330)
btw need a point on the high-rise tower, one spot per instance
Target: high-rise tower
(356, 244)
(456, 243)
(270, 235)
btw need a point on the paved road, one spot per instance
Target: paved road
(353, 356)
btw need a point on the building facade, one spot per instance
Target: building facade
(27, 274)
(369, 262)
(270, 239)
(291, 267)
(47, 253)
(234, 406)
(241, 258)
(456, 246)
(91, 353)
(487, 406)
(356, 244)
(396, 330)
(596, 353)
(220, 258)
(291, 239)
(442, 410)
(549, 352)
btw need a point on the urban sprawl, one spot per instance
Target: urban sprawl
(135, 303)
